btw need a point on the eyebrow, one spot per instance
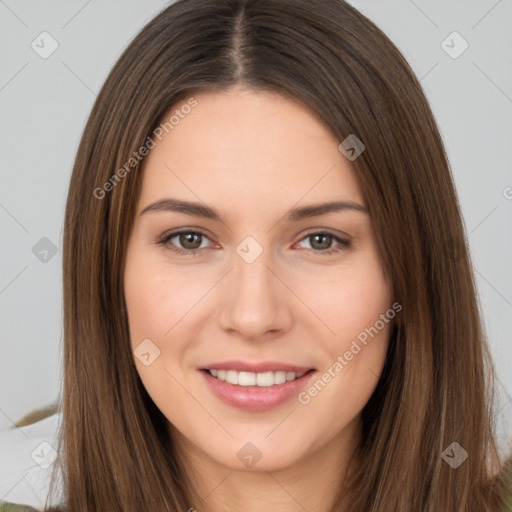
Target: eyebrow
(294, 215)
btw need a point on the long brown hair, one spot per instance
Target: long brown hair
(436, 387)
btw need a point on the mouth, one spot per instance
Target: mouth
(261, 380)
(265, 387)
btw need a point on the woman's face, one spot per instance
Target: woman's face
(283, 298)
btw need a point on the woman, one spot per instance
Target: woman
(268, 297)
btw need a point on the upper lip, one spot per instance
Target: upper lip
(256, 367)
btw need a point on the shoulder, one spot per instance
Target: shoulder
(29, 449)
(12, 507)
(16, 507)
(504, 481)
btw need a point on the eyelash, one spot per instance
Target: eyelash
(165, 242)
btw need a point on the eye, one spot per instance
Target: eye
(321, 242)
(191, 241)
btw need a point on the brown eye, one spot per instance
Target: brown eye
(184, 242)
(322, 243)
(190, 240)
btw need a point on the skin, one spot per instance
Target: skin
(253, 156)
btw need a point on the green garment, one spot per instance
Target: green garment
(10, 507)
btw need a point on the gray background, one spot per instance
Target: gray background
(44, 104)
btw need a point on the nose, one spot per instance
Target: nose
(255, 302)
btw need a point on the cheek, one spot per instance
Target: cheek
(156, 297)
(155, 304)
(146, 301)
(360, 302)
(354, 356)
(352, 300)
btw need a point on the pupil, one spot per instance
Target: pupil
(326, 239)
(193, 239)
(189, 237)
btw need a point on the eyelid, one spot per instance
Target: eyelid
(339, 235)
(327, 231)
(178, 231)
(167, 236)
(343, 242)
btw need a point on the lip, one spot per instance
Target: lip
(255, 398)
(254, 367)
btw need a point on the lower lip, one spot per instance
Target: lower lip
(255, 398)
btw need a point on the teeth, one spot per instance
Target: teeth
(280, 377)
(264, 379)
(232, 377)
(246, 379)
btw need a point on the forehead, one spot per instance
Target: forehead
(248, 149)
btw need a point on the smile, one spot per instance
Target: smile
(262, 380)
(256, 391)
